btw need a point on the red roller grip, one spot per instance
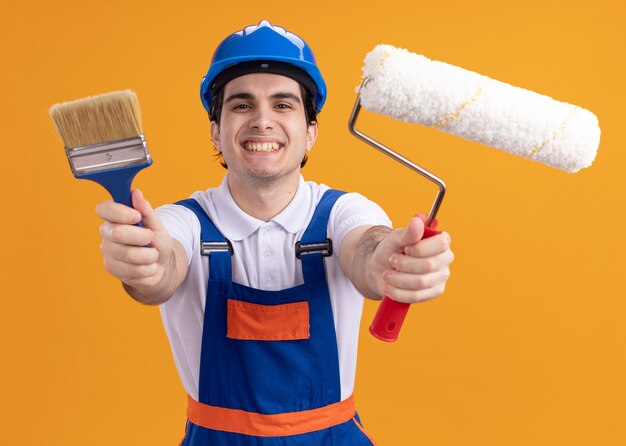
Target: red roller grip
(390, 315)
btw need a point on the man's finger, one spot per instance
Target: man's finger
(413, 265)
(407, 281)
(132, 255)
(117, 213)
(126, 234)
(414, 296)
(149, 217)
(129, 273)
(429, 247)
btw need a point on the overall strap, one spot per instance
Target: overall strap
(212, 242)
(314, 244)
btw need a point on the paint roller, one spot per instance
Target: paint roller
(412, 88)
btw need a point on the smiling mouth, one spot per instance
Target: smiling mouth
(261, 146)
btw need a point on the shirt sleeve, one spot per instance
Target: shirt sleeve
(183, 225)
(351, 211)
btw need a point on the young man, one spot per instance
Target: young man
(261, 280)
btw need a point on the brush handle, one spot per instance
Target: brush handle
(391, 313)
(117, 182)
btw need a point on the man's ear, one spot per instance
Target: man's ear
(311, 135)
(215, 135)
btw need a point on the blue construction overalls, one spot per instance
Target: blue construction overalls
(269, 370)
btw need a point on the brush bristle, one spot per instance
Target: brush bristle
(97, 119)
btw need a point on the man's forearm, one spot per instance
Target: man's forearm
(362, 276)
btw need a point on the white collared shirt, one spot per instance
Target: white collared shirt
(263, 259)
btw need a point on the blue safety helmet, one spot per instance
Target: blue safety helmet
(263, 48)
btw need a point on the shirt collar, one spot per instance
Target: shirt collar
(295, 216)
(238, 225)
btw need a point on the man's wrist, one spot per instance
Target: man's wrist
(363, 258)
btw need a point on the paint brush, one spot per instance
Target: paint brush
(104, 140)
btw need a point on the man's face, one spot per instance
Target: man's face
(263, 133)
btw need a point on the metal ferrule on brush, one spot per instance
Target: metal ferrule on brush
(109, 155)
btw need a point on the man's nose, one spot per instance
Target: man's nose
(262, 118)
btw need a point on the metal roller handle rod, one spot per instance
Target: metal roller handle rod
(396, 156)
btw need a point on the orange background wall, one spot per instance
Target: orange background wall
(527, 346)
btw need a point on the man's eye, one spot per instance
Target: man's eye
(283, 106)
(241, 106)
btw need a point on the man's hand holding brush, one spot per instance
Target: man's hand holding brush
(149, 262)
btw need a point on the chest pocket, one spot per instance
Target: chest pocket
(255, 322)
(268, 348)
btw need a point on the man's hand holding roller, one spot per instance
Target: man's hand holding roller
(397, 264)
(149, 262)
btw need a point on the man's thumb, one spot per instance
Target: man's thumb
(149, 218)
(413, 233)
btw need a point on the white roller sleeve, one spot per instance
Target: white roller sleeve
(413, 88)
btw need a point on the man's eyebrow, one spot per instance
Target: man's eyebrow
(250, 96)
(242, 95)
(286, 95)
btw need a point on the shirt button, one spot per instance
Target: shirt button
(268, 280)
(267, 254)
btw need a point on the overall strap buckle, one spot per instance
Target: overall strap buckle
(326, 248)
(208, 230)
(206, 248)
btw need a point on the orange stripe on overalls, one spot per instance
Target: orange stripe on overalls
(260, 425)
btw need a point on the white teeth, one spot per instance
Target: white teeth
(261, 146)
